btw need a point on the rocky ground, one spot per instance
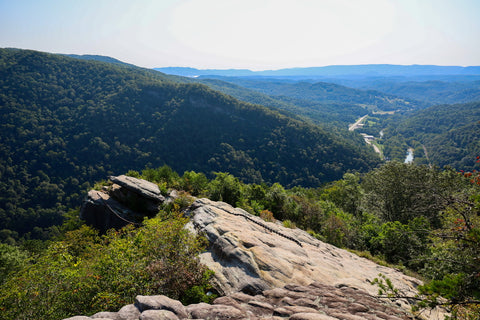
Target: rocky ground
(251, 255)
(316, 301)
(263, 269)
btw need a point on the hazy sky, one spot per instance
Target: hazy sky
(252, 34)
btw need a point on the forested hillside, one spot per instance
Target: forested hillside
(449, 134)
(66, 123)
(419, 218)
(336, 115)
(323, 92)
(421, 85)
(433, 90)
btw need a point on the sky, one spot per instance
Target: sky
(249, 34)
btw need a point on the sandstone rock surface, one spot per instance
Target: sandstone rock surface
(103, 212)
(128, 200)
(251, 255)
(143, 188)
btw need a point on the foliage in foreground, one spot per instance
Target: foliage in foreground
(417, 217)
(420, 218)
(451, 258)
(87, 273)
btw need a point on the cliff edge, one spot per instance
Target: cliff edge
(265, 270)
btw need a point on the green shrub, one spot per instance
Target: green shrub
(86, 273)
(289, 224)
(11, 260)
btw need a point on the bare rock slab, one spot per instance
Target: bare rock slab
(145, 189)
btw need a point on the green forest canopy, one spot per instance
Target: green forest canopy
(66, 123)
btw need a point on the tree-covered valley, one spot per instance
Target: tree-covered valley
(444, 135)
(324, 103)
(67, 123)
(278, 148)
(414, 116)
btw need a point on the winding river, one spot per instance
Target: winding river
(409, 158)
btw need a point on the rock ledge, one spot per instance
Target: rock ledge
(316, 301)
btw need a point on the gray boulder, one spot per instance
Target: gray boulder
(145, 189)
(220, 312)
(160, 302)
(158, 315)
(129, 312)
(127, 201)
(106, 315)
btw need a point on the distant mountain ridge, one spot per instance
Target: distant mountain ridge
(334, 70)
(192, 72)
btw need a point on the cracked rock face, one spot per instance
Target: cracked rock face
(127, 200)
(251, 255)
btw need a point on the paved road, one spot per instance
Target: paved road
(356, 124)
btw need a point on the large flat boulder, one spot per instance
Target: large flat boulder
(143, 188)
(245, 250)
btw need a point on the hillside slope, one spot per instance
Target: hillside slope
(264, 269)
(333, 114)
(443, 90)
(66, 123)
(325, 93)
(449, 134)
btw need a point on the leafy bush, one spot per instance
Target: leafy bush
(289, 224)
(267, 216)
(11, 260)
(87, 273)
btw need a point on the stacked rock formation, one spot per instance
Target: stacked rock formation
(127, 201)
(316, 301)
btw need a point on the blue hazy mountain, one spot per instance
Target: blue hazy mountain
(367, 70)
(192, 72)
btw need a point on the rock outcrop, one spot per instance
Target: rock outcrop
(127, 200)
(251, 255)
(143, 189)
(316, 301)
(253, 260)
